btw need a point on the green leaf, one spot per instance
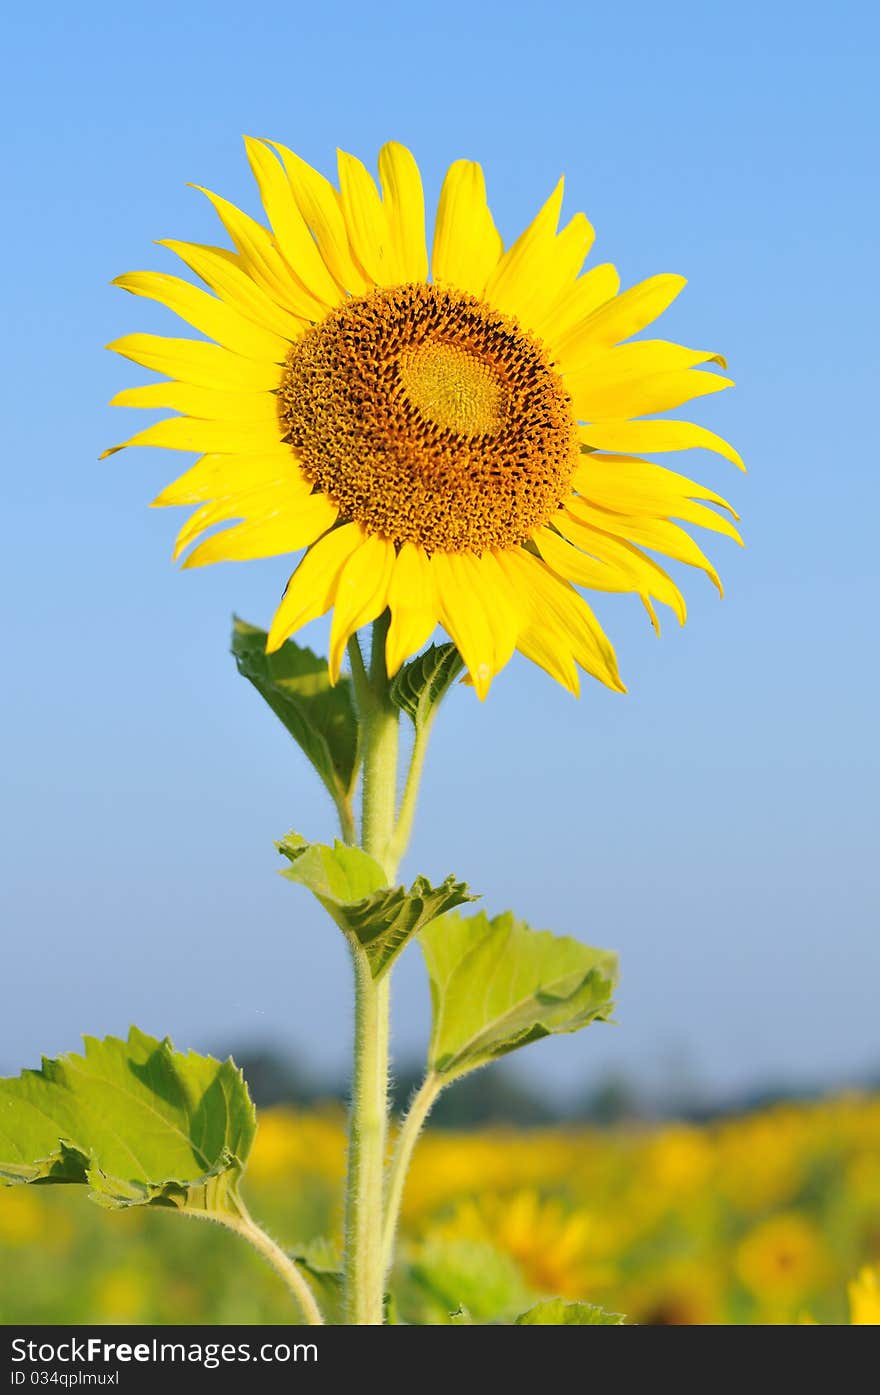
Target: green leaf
(555, 1312)
(350, 886)
(296, 685)
(497, 985)
(461, 1283)
(321, 1260)
(138, 1121)
(423, 683)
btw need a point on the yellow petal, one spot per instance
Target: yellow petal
(650, 581)
(366, 221)
(237, 288)
(566, 610)
(267, 537)
(319, 205)
(703, 517)
(252, 504)
(540, 639)
(640, 397)
(185, 433)
(630, 485)
(656, 534)
(626, 314)
(573, 243)
(641, 359)
(512, 285)
(656, 436)
(225, 476)
(405, 210)
(547, 276)
(553, 283)
(467, 245)
(262, 260)
(208, 403)
(311, 589)
(412, 600)
(575, 566)
(193, 361)
(295, 241)
(545, 650)
(211, 316)
(491, 589)
(507, 610)
(465, 618)
(594, 288)
(361, 595)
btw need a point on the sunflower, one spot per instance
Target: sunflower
(782, 1259)
(864, 1299)
(551, 1243)
(458, 446)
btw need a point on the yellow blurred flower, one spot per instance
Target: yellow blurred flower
(761, 1159)
(29, 1217)
(684, 1293)
(22, 1219)
(288, 1143)
(864, 1299)
(121, 1296)
(679, 1159)
(550, 1243)
(675, 1224)
(863, 1180)
(447, 1165)
(782, 1260)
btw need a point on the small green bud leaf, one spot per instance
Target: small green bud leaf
(337, 875)
(497, 985)
(422, 684)
(349, 884)
(138, 1121)
(296, 685)
(461, 1283)
(321, 1261)
(555, 1312)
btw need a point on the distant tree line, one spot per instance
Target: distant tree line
(500, 1095)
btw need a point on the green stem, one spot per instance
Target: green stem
(410, 1129)
(359, 675)
(364, 1270)
(347, 825)
(380, 719)
(368, 1128)
(245, 1226)
(403, 829)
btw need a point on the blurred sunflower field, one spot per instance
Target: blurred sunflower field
(773, 1217)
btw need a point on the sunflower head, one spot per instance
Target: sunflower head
(459, 445)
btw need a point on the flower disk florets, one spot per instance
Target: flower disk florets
(430, 418)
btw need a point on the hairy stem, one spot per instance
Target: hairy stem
(418, 1111)
(403, 828)
(347, 825)
(244, 1225)
(368, 1131)
(380, 719)
(368, 1127)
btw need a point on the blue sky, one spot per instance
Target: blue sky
(717, 825)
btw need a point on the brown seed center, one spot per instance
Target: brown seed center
(428, 417)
